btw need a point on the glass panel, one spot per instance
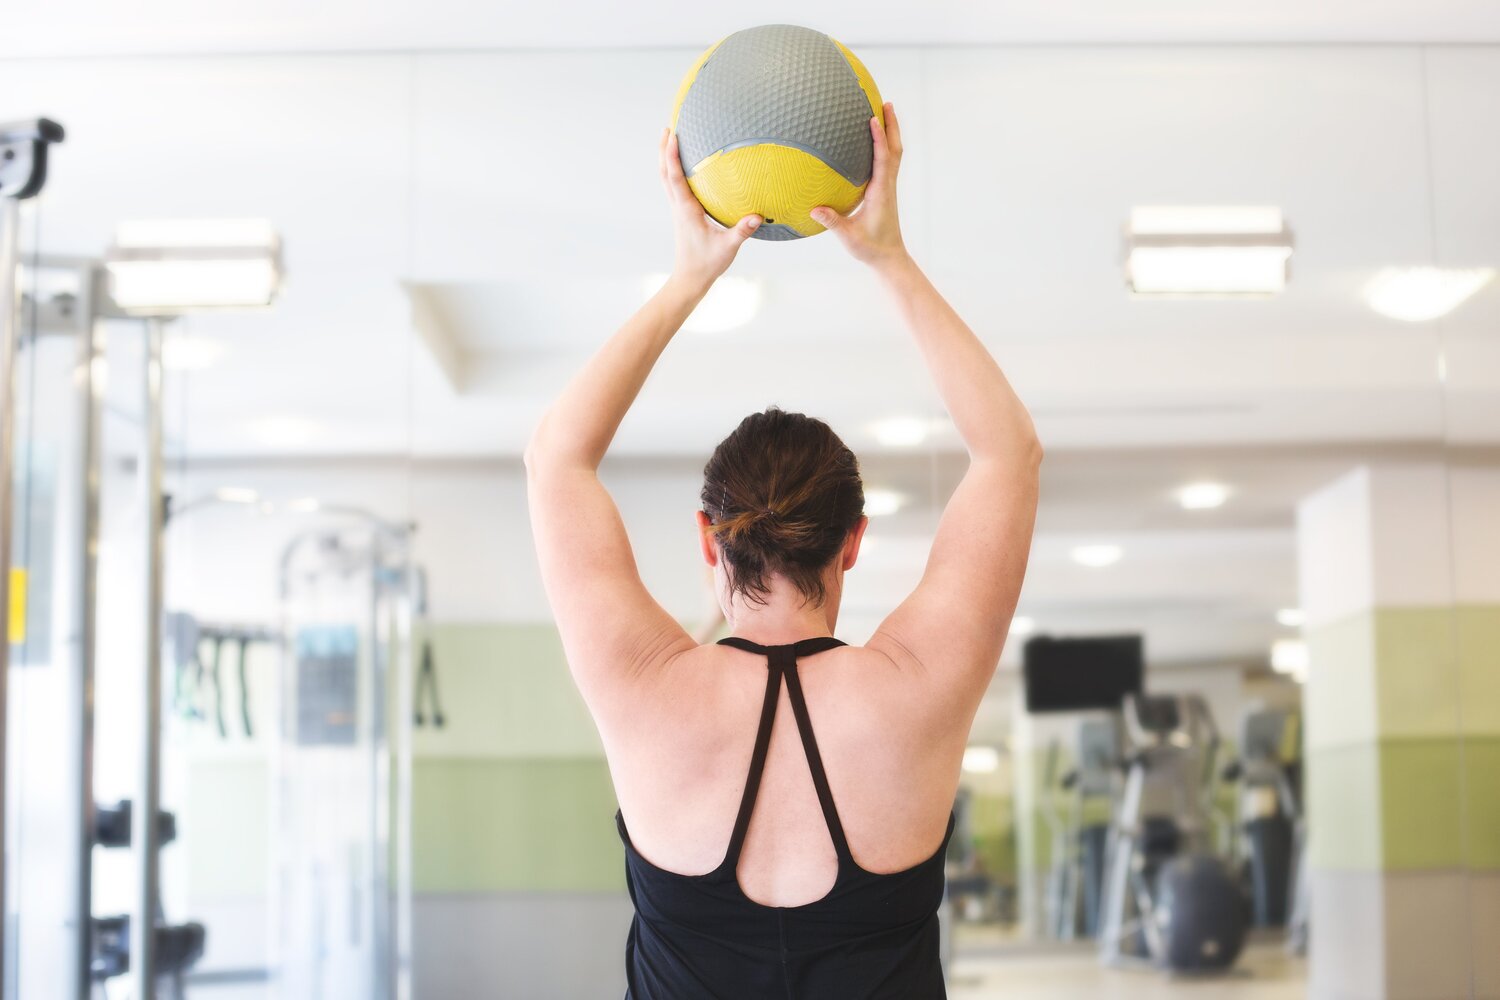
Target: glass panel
(1466, 247)
(42, 729)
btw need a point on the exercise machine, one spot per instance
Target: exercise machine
(1169, 901)
(1080, 837)
(1268, 810)
(341, 777)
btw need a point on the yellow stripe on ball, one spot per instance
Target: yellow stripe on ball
(778, 183)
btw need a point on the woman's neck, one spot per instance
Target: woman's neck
(784, 618)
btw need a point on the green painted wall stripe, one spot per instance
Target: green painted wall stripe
(506, 692)
(1406, 805)
(1481, 790)
(514, 825)
(1421, 805)
(1479, 663)
(1416, 672)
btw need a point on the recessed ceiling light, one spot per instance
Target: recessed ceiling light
(1291, 617)
(879, 503)
(732, 302)
(1022, 625)
(1097, 556)
(900, 432)
(1415, 294)
(1206, 250)
(981, 760)
(1289, 656)
(1203, 496)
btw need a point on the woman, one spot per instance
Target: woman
(784, 798)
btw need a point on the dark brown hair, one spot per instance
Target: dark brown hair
(782, 493)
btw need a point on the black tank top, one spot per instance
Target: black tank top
(699, 937)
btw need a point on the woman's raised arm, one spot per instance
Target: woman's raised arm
(611, 627)
(953, 626)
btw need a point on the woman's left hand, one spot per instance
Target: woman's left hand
(705, 249)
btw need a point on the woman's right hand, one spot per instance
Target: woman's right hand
(872, 232)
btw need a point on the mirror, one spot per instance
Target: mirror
(1246, 291)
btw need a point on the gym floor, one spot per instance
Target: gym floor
(1068, 973)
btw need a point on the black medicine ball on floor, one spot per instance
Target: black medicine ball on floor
(1202, 913)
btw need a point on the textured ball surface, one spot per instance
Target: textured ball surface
(775, 121)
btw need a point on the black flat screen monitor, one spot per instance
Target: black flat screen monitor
(1075, 675)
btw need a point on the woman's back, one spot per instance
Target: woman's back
(857, 932)
(680, 760)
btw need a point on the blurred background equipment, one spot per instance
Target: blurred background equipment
(1168, 899)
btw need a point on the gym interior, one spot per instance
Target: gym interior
(287, 287)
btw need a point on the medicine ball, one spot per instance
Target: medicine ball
(1202, 913)
(775, 121)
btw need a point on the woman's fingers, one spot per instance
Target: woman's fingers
(827, 217)
(881, 141)
(893, 129)
(745, 228)
(675, 175)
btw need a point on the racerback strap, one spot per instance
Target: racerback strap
(781, 661)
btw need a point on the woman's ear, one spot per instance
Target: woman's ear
(851, 544)
(706, 542)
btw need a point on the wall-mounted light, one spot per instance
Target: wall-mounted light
(1206, 250)
(1415, 294)
(1290, 657)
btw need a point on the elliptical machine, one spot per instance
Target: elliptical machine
(1169, 902)
(1267, 780)
(1080, 838)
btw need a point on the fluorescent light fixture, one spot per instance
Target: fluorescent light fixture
(981, 760)
(879, 503)
(165, 267)
(1416, 294)
(186, 354)
(1022, 625)
(1289, 656)
(1097, 556)
(305, 505)
(732, 302)
(900, 432)
(1291, 617)
(1208, 250)
(1203, 496)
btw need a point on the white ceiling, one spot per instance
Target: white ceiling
(93, 27)
(517, 191)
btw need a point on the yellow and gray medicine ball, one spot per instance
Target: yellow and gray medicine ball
(775, 121)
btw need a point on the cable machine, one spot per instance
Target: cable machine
(341, 777)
